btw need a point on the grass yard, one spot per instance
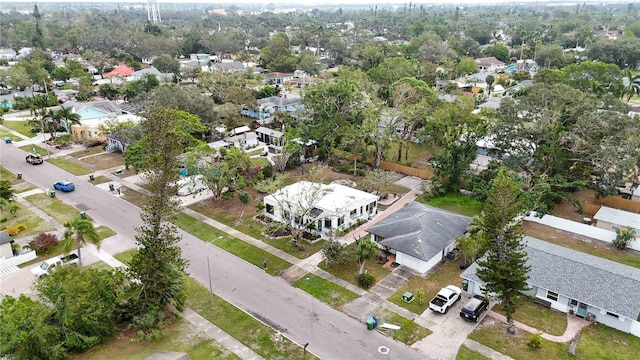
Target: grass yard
(259, 337)
(180, 336)
(104, 232)
(237, 247)
(22, 127)
(464, 353)
(39, 150)
(53, 207)
(105, 160)
(325, 291)
(600, 342)
(416, 152)
(446, 274)
(35, 224)
(494, 335)
(100, 265)
(70, 166)
(132, 196)
(9, 176)
(100, 180)
(260, 161)
(457, 203)
(125, 256)
(87, 152)
(547, 320)
(409, 332)
(349, 271)
(595, 248)
(6, 134)
(24, 188)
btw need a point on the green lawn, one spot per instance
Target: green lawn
(243, 327)
(132, 196)
(35, 224)
(464, 353)
(100, 180)
(105, 160)
(180, 336)
(260, 161)
(457, 203)
(53, 207)
(22, 127)
(349, 271)
(125, 256)
(10, 176)
(446, 274)
(547, 320)
(409, 332)
(415, 152)
(325, 291)
(87, 152)
(600, 342)
(70, 166)
(38, 149)
(104, 232)
(237, 247)
(100, 265)
(24, 188)
(5, 134)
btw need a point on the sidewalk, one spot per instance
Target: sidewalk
(574, 325)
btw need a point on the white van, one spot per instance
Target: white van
(191, 185)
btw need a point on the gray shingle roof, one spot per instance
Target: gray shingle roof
(589, 279)
(4, 237)
(420, 230)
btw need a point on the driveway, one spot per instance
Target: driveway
(449, 332)
(19, 282)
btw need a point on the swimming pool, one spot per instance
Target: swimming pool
(90, 113)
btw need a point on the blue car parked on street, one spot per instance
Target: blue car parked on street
(64, 185)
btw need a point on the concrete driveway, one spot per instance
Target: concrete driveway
(19, 282)
(449, 332)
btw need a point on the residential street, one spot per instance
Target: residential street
(330, 333)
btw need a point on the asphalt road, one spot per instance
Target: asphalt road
(330, 333)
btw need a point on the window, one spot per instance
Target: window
(340, 221)
(612, 314)
(552, 296)
(327, 223)
(270, 209)
(298, 220)
(353, 212)
(286, 215)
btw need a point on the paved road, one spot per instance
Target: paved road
(330, 333)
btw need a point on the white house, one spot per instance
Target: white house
(419, 235)
(577, 283)
(490, 64)
(245, 140)
(319, 207)
(612, 219)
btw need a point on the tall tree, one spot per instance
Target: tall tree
(158, 269)
(365, 250)
(80, 231)
(504, 269)
(276, 56)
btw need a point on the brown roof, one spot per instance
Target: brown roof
(277, 75)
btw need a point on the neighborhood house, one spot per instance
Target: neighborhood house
(419, 235)
(325, 207)
(578, 283)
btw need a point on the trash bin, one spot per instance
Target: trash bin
(408, 297)
(19, 175)
(111, 187)
(83, 215)
(7, 140)
(465, 285)
(91, 178)
(372, 322)
(52, 194)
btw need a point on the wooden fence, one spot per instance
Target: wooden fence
(591, 209)
(622, 204)
(407, 170)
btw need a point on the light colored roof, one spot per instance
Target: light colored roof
(279, 100)
(335, 200)
(240, 130)
(420, 230)
(218, 144)
(618, 217)
(248, 136)
(488, 61)
(270, 132)
(589, 279)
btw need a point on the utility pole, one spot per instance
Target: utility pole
(44, 137)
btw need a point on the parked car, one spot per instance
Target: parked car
(445, 299)
(474, 308)
(50, 265)
(34, 159)
(64, 185)
(95, 143)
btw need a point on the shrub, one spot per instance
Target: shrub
(15, 230)
(535, 341)
(366, 280)
(267, 171)
(3, 220)
(623, 238)
(42, 243)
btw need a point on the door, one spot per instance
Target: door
(582, 309)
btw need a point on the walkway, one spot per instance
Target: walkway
(574, 325)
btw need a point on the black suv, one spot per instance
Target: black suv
(474, 308)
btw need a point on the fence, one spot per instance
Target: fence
(407, 170)
(622, 204)
(591, 209)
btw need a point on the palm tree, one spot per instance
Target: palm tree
(633, 88)
(83, 232)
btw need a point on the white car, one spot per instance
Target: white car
(445, 299)
(191, 185)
